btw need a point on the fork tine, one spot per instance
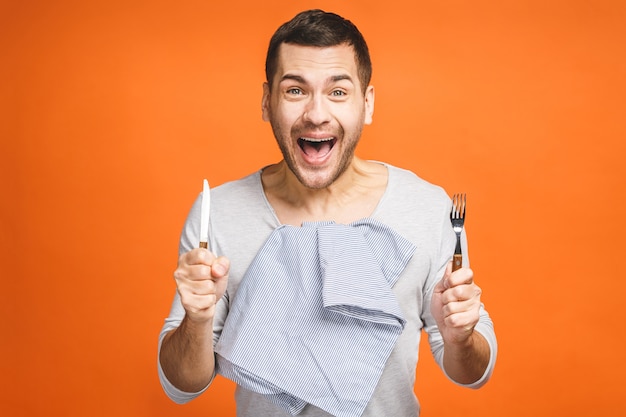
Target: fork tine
(463, 198)
(453, 212)
(458, 206)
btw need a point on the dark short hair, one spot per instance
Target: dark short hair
(323, 29)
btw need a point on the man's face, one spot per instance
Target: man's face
(317, 110)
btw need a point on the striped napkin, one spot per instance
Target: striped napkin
(314, 318)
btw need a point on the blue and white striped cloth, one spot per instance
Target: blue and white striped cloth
(314, 318)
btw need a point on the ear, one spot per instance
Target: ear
(369, 104)
(265, 102)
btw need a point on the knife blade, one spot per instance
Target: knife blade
(204, 215)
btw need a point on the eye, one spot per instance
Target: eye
(294, 91)
(338, 93)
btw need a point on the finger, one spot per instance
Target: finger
(461, 293)
(458, 307)
(462, 276)
(192, 273)
(197, 256)
(220, 267)
(197, 304)
(442, 285)
(204, 287)
(465, 320)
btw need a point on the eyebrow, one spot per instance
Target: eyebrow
(300, 79)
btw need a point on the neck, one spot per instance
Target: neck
(352, 196)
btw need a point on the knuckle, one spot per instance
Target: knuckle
(457, 293)
(457, 321)
(205, 288)
(204, 271)
(201, 255)
(478, 291)
(451, 320)
(179, 275)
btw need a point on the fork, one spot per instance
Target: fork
(457, 216)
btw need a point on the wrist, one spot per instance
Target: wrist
(463, 344)
(197, 328)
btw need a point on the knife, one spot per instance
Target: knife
(204, 215)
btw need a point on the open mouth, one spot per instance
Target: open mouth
(315, 147)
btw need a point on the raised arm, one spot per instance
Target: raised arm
(186, 355)
(455, 307)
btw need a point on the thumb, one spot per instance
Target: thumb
(220, 267)
(444, 282)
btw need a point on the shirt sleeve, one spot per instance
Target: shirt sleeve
(174, 319)
(484, 325)
(190, 234)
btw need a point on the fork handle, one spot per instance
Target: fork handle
(457, 262)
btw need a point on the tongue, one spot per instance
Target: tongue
(317, 149)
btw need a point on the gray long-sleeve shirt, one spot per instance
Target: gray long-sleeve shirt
(241, 221)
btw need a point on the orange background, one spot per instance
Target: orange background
(112, 112)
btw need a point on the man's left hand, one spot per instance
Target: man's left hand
(456, 305)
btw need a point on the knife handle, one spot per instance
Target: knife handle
(457, 262)
(204, 245)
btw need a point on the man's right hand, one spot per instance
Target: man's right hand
(201, 280)
(186, 353)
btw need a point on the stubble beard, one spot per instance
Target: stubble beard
(349, 144)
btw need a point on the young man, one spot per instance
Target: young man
(330, 265)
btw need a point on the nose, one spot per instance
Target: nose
(316, 111)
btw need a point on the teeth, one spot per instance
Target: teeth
(317, 140)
